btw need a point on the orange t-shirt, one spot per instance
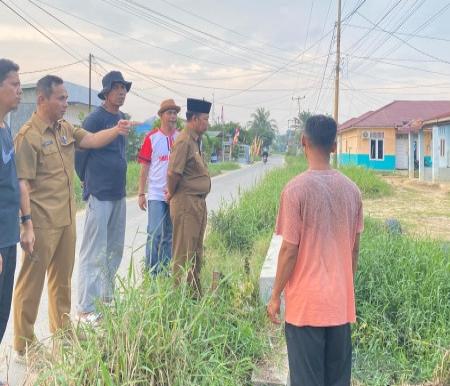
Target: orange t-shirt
(321, 212)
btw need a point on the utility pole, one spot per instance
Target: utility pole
(213, 115)
(335, 157)
(298, 128)
(338, 64)
(90, 81)
(298, 99)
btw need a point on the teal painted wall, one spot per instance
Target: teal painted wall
(363, 160)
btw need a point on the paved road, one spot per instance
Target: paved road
(225, 188)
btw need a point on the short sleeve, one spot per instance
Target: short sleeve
(90, 123)
(26, 158)
(79, 134)
(178, 157)
(360, 219)
(145, 153)
(289, 220)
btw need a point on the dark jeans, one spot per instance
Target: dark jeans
(6, 285)
(319, 356)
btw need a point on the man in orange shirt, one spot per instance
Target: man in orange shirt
(320, 219)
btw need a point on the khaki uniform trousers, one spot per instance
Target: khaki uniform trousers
(54, 254)
(188, 214)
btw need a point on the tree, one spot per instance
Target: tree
(302, 117)
(263, 126)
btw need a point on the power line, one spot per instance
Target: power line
(205, 33)
(411, 11)
(141, 41)
(39, 30)
(428, 37)
(411, 46)
(219, 25)
(324, 71)
(293, 60)
(179, 28)
(382, 61)
(199, 85)
(102, 49)
(304, 46)
(51, 68)
(355, 45)
(356, 9)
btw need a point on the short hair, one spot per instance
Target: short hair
(321, 131)
(6, 66)
(45, 85)
(191, 114)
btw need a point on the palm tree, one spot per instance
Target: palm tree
(263, 126)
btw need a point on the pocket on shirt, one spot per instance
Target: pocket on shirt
(68, 153)
(50, 158)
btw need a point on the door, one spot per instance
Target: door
(401, 152)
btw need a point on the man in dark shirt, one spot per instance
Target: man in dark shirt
(10, 93)
(103, 172)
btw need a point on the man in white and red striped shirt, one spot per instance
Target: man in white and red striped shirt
(154, 159)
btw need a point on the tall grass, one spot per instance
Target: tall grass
(240, 223)
(403, 303)
(368, 181)
(158, 335)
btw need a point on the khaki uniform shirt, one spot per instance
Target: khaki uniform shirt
(45, 158)
(186, 159)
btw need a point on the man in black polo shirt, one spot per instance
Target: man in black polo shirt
(103, 172)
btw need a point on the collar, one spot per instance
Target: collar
(193, 134)
(40, 124)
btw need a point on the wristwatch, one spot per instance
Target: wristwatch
(25, 218)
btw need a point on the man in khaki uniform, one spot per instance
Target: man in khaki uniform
(45, 148)
(188, 183)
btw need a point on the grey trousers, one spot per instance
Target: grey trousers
(101, 251)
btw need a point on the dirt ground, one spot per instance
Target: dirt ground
(423, 209)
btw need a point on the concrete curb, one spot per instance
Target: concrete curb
(273, 371)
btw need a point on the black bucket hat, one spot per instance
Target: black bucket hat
(109, 79)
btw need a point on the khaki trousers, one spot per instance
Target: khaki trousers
(54, 254)
(189, 215)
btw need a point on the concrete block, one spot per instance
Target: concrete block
(269, 269)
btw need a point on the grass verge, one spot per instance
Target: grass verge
(219, 167)
(157, 335)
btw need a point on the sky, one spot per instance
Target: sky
(241, 55)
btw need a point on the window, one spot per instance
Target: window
(376, 146)
(442, 148)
